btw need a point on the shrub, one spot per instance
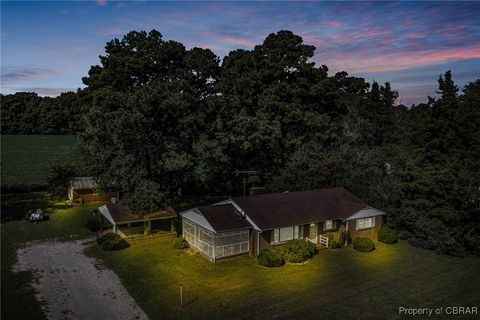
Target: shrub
(387, 235)
(270, 257)
(334, 244)
(135, 236)
(345, 237)
(363, 244)
(180, 243)
(92, 225)
(298, 250)
(112, 241)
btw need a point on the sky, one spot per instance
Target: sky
(48, 46)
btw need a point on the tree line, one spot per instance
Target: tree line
(28, 113)
(155, 117)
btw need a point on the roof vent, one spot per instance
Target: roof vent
(114, 200)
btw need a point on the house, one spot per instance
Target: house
(120, 215)
(242, 225)
(86, 189)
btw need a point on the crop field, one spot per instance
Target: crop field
(25, 158)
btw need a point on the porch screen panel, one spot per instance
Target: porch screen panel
(189, 232)
(231, 243)
(205, 242)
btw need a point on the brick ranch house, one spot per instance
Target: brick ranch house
(247, 225)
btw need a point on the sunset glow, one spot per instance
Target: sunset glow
(47, 47)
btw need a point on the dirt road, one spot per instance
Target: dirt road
(73, 286)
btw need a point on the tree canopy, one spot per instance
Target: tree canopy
(156, 116)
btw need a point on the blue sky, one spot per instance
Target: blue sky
(47, 47)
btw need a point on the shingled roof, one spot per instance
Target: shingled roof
(223, 217)
(278, 210)
(120, 214)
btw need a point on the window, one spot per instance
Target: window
(365, 223)
(276, 236)
(295, 232)
(286, 234)
(328, 225)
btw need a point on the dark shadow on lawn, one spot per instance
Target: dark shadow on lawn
(14, 206)
(190, 302)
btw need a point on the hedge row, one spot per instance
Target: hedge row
(294, 251)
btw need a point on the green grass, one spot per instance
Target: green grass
(25, 158)
(17, 297)
(336, 284)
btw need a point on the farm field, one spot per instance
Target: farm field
(25, 158)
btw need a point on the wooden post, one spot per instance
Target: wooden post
(181, 295)
(346, 234)
(213, 250)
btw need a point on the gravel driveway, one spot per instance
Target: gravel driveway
(71, 285)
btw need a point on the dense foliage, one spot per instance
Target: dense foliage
(180, 243)
(27, 113)
(334, 244)
(271, 257)
(387, 235)
(298, 250)
(112, 242)
(363, 244)
(157, 117)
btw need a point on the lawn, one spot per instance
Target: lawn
(25, 158)
(342, 284)
(66, 222)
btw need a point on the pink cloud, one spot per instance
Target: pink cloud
(370, 32)
(398, 60)
(242, 41)
(334, 23)
(414, 35)
(309, 38)
(102, 3)
(355, 35)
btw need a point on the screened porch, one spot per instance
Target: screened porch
(215, 245)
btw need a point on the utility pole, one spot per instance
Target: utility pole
(181, 295)
(245, 173)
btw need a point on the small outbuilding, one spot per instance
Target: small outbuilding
(120, 215)
(216, 231)
(86, 189)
